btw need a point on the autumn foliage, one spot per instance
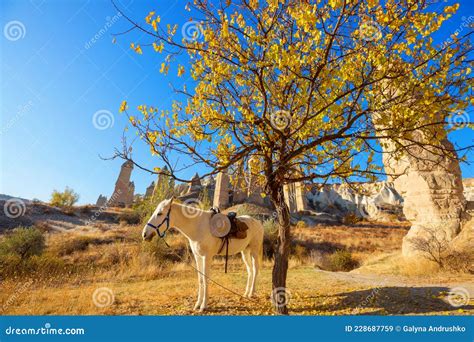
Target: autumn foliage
(290, 90)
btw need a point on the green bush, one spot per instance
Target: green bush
(23, 242)
(64, 199)
(342, 260)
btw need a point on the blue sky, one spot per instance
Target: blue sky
(54, 80)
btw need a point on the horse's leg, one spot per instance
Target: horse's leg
(200, 280)
(256, 261)
(247, 261)
(206, 268)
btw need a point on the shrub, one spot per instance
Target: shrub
(77, 244)
(23, 242)
(204, 200)
(67, 198)
(250, 210)
(342, 260)
(86, 209)
(130, 217)
(459, 261)
(43, 226)
(300, 253)
(38, 265)
(435, 247)
(69, 211)
(144, 209)
(301, 225)
(164, 189)
(158, 250)
(270, 238)
(351, 219)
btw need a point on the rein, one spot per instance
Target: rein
(157, 228)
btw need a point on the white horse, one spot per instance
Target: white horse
(194, 223)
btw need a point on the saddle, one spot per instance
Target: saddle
(238, 230)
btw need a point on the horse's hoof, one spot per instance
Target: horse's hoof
(196, 307)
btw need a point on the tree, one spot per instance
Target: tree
(164, 189)
(67, 198)
(298, 91)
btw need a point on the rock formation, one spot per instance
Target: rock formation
(468, 184)
(101, 201)
(124, 188)
(295, 197)
(195, 184)
(431, 185)
(221, 191)
(149, 190)
(372, 201)
(424, 170)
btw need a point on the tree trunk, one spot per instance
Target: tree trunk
(280, 296)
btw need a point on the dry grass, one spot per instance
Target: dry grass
(173, 293)
(362, 240)
(147, 278)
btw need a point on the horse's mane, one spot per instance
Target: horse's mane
(183, 205)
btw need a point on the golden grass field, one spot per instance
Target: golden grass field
(148, 279)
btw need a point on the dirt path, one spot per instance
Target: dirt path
(377, 280)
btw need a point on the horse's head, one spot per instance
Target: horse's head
(158, 219)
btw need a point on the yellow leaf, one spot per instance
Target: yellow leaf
(123, 106)
(451, 9)
(180, 71)
(149, 16)
(136, 48)
(158, 48)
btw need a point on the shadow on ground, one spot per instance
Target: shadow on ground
(388, 300)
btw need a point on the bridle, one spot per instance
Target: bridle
(157, 228)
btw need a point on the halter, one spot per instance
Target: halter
(157, 228)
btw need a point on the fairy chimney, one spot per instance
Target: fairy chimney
(221, 192)
(124, 189)
(149, 190)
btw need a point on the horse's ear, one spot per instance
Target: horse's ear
(172, 199)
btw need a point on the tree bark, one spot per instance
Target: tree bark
(280, 295)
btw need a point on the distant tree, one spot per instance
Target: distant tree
(164, 188)
(301, 91)
(205, 199)
(65, 199)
